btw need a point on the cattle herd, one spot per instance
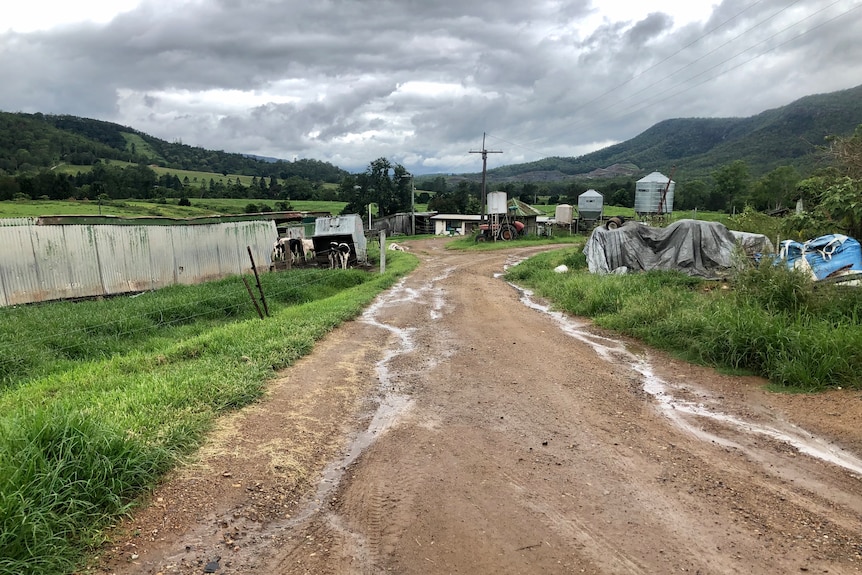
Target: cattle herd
(301, 250)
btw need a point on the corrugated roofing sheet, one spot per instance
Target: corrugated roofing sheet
(45, 262)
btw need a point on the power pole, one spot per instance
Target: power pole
(484, 153)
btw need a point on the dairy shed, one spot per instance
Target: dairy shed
(42, 259)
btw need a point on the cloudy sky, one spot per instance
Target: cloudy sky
(419, 81)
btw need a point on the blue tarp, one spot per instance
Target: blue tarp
(825, 255)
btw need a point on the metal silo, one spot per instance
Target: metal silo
(650, 196)
(591, 205)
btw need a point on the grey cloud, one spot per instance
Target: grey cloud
(334, 67)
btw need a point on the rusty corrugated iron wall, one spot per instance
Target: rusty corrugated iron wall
(47, 262)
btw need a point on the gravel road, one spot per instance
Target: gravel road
(459, 426)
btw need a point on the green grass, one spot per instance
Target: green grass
(116, 391)
(144, 208)
(195, 176)
(141, 146)
(770, 321)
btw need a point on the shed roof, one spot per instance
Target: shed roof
(518, 208)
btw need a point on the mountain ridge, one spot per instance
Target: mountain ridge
(693, 147)
(786, 135)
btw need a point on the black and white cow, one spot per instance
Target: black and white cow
(339, 255)
(279, 250)
(297, 253)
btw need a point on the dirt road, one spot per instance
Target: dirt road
(461, 427)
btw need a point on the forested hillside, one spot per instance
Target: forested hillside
(30, 142)
(60, 157)
(719, 163)
(785, 136)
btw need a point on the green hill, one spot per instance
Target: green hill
(789, 135)
(30, 143)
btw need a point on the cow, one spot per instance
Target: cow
(297, 253)
(339, 255)
(279, 250)
(308, 248)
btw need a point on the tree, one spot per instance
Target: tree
(731, 186)
(776, 189)
(691, 194)
(846, 154)
(387, 185)
(833, 199)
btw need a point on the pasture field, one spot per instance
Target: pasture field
(145, 208)
(195, 177)
(99, 398)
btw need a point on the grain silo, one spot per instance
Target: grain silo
(654, 194)
(590, 206)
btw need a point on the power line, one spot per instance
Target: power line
(484, 153)
(656, 96)
(684, 48)
(677, 87)
(716, 49)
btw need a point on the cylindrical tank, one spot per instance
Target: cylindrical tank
(590, 205)
(648, 194)
(563, 214)
(497, 202)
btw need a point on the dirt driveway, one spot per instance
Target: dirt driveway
(461, 427)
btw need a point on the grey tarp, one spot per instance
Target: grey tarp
(694, 247)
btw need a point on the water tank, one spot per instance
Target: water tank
(563, 214)
(497, 202)
(648, 194)
(590, 205)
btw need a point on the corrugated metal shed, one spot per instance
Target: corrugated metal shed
(45, 262)
(346, 228)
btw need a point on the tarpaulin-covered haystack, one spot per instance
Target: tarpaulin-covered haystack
(834, 257)
(695, 247)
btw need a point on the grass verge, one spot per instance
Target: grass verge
(768, 321)
(138, 385)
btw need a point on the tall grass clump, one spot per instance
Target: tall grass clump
(86, 434)
(62, 474)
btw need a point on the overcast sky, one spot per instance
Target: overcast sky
(418, 81)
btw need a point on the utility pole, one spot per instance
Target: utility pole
(484, 153)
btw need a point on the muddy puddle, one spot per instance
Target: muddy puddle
(672, 399)
(391, 403)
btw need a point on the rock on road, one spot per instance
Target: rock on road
(460, 427)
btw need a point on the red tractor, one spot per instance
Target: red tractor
(503, 231)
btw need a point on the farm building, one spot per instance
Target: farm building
(402, 223)
(455, 224)
(50, 258)
(340, 229)
(504, 210)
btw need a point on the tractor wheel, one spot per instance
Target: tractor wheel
(508, 232)
(614, 223)
(481, 238)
